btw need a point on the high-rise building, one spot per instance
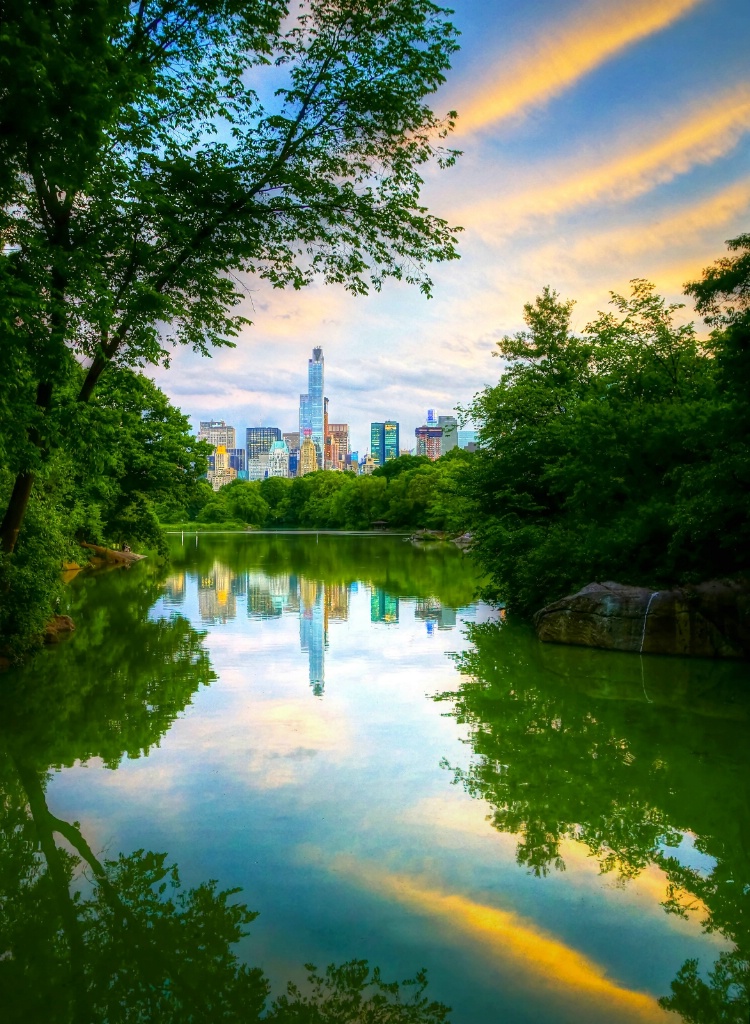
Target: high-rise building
(216, 432)
(431, 418)
(377, 443)
(449, 426)
(278, 459)
(292, 439)
(466, 437)
(311, 405)
(237, 459)
(308, 457)
(258, 440)
(337, 442)
(391, 435)
(257, 468)
(428, 441)
(220, 470)
(384, 441)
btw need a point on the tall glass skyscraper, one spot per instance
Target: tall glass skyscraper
(311, 413)
(384, 441)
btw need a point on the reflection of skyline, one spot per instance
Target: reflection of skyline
(217, 594)
(270, 597)
(383, 606)
(433, 613)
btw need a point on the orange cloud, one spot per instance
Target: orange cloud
(565, 53)
(699, 138)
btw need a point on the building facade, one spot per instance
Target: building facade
(278, 459)
(449, 426)
(308, 456)
(220, 471)
(237, 459)
(391, 440)
(312, 406)
(428, 441)
(258, 440)
(217, 432)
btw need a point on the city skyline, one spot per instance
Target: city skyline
(601, 142)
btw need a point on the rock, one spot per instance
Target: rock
(709, 620)
(56, 627)
(111, 555)
(464, 541)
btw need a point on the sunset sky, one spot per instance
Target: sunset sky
(602, 141)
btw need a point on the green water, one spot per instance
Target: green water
(334, 730)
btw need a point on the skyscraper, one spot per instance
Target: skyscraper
(384, 441)
(449, 426)
(216, 432)
(308, 460)
(391, 435)
(377, 443)
(428, 438)
(258, 440)
(311, 405)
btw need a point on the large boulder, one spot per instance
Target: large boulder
(709, 620)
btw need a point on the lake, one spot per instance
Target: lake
(334, 729)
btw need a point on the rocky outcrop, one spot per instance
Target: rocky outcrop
(57, 628)
(709, 620)
(112, 555)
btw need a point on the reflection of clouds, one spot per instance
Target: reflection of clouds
(505, 937)
(452, 821)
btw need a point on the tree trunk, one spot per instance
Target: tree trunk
(15, 512)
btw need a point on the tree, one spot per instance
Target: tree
(142, 171)
(584, 446)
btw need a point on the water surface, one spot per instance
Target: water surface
(337, 728)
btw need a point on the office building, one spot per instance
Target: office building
(308, 456)
(449, 426)
(384, 441)
(467, 437)
(220, 471)
(257, 468)
(368, 465)
(428, 438)
(337, 444)
(391, 436)
(377, 443)
(278, 459)
(217, 432)
(312, 406)
(258, 440)
(237, 459)
(292, 439)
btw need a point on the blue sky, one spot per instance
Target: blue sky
(603, 140)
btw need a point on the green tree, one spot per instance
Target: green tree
(584, 443)
(141, 170)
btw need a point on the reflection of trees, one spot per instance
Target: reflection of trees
(391, 564)
(623, 754)
(87, 939)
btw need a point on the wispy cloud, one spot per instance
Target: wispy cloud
(566, 52)
(700, 137)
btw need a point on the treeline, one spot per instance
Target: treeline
(621, 452)
(408, 492)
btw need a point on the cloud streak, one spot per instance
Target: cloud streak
(568, 51)
(700, 137)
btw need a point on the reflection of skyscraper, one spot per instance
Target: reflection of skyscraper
(337, 602)
(383, 607)
(260, 600)
(312, 631)
(174, 588)
(217, 601)
(434, 614)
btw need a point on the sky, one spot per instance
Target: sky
(602, 140)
